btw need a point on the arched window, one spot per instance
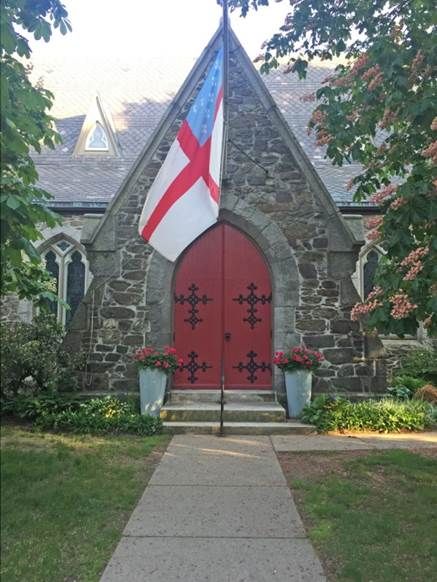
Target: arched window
(97, 139)
(367, 268)
(68, 266)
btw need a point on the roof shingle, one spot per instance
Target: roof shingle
(137, 94)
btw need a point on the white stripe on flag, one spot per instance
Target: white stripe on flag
(192, 214)
(215, 156)
(173, 164)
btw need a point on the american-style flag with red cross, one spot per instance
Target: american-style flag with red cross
(183, 201)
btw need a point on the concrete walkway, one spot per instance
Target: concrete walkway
(215, 510)
(355, 441)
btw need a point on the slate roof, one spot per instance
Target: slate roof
(137, 93)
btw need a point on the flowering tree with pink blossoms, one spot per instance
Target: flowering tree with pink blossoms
(378, 108)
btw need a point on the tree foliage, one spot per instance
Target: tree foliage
(26, 127)
(378, 108)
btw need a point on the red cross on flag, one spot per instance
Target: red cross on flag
(183, 201)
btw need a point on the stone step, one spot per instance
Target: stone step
(179, 396)
(234, 411)
(243, 428)
(355, 396)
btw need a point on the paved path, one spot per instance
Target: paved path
(215, 510)
(357, 441)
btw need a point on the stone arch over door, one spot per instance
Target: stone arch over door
(272, 243)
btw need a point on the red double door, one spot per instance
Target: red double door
(222, 313)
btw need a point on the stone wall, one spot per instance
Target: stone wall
(280, 203)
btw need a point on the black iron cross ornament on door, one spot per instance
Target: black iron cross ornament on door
(252, 366)
(193, 300)
(193, 366)
(252, 299)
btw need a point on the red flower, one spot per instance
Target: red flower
(299, 357)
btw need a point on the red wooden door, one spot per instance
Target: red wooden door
(222, 313)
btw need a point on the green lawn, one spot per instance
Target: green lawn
(371, 516)
(66, 499)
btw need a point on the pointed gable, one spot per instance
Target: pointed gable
(249, 99)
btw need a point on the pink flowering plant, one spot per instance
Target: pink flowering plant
(298, 358)
(398, 307)
(166, 359)
(377, 110)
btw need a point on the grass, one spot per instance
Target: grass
(372, 518)
(65, 500)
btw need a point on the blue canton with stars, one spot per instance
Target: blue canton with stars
(201, 115)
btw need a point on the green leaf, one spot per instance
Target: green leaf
(13, 202)
(26, 125)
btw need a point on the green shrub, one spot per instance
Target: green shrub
(400, 392)
(387, 415)
(410, 382)
(33, 360)
(404, 387)
(101, 415)
(419, 364)
(32, 406)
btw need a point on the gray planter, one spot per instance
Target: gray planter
(298, 386)
(152, 390)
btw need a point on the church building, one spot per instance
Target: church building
(283, 266)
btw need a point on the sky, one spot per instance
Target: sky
(163, 27)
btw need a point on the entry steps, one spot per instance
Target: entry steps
(245, 412)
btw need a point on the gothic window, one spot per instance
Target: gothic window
(75, 288)
(97, 139)
(368, 262)
(68, 266)
(53, 268)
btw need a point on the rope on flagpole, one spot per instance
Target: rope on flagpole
(250, 158)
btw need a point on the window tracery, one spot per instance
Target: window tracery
(68, 266)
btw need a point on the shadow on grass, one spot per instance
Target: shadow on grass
(66, 499)
(371, 515)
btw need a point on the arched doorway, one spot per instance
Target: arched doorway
(222, 313)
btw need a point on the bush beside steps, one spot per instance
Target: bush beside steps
(331, 413)
(103, 415)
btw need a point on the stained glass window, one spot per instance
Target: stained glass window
(75, 284)
(53, 268)
(97, 139)
(369, 270)
(63, 245)
(68, 266)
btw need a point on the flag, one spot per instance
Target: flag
(183, 201)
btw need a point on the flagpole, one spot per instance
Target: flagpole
(225, 85)
(225, 26)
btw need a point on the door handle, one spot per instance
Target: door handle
(227, 336)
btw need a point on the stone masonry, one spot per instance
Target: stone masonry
(274, 196)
